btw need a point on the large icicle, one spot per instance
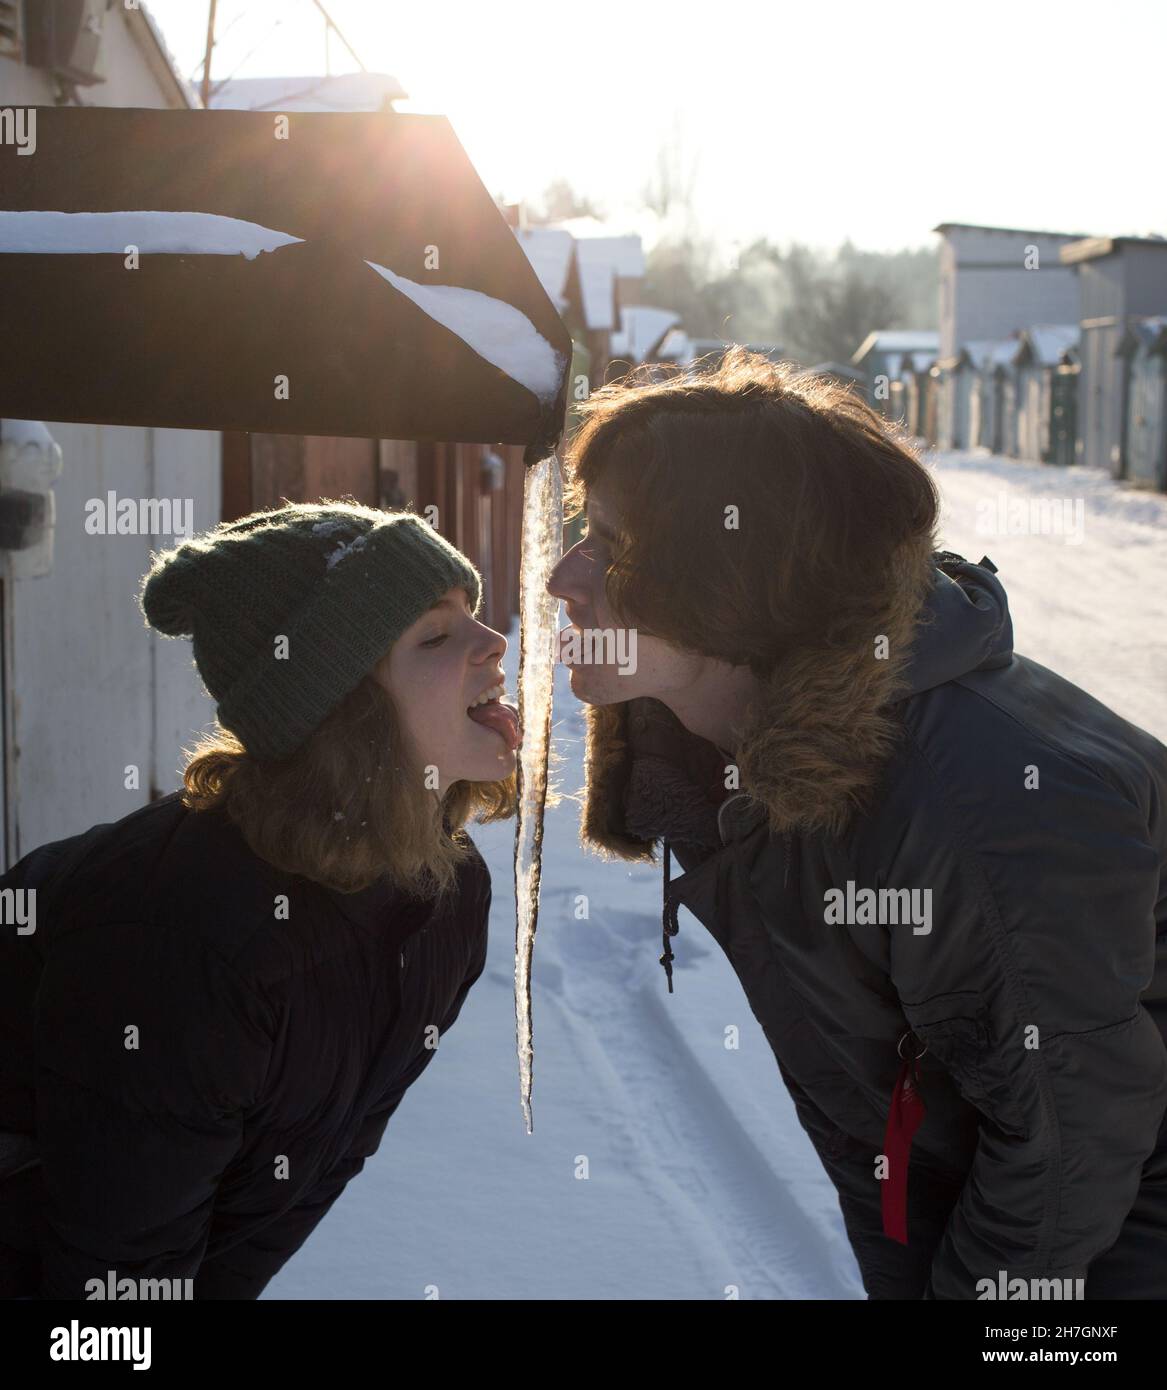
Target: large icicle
(542, 541)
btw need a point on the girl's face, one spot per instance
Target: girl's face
(434, 670)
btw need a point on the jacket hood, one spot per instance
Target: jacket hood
(815, 743)
(965, 625)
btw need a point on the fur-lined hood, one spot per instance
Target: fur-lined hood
(815, 746)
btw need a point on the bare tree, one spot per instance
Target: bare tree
(669, 191)
(830, 310)
(560, 201)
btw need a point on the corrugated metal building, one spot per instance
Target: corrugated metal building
(882, 357)
(1041, 408)
(915, 382)
(1119, 278)
(987, 419)
(969, 392)
(994, 281)
(1144, 346)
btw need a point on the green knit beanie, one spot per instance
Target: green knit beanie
(339, 581)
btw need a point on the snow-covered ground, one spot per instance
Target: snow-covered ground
(1094, 611)
(699, 1179)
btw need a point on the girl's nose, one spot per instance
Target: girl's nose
(493, 643)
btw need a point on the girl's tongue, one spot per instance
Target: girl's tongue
(503, 719)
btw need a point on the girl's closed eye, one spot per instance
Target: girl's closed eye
(433, 641)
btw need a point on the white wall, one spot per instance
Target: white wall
(92, 689)
(129, 66)
(186, 464)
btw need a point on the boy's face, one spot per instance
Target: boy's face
(611, 663)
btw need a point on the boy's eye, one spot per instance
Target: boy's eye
(433, 641)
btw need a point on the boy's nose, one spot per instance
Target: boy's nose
(554, 581)
(571, 577)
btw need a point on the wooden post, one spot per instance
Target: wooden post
(207, 55)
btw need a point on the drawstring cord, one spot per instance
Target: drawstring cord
(670, 925)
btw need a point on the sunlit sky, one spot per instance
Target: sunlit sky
(814, 122)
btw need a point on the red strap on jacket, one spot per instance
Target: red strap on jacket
(903, 1119)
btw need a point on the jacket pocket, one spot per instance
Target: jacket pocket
(958, 1031)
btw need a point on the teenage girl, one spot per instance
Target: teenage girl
(211, 1007)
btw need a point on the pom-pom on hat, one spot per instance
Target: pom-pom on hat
(337, 581)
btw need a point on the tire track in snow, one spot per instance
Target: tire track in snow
(774, 1247)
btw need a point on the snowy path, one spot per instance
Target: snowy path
(1095, 612)
(699, 1178)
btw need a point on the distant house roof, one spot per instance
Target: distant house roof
(1047, 343)
(351, 91)
(599, 259)
(1090, 248)
(897, 340)
(625, 254)
(550, 251)
(602, 260)
(1015, 231)
(642, 327)
(597, 283)
(982, 353)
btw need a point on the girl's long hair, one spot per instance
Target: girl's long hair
(350, 805)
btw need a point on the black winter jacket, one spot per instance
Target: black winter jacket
(202, 1067)
(1037, 819)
